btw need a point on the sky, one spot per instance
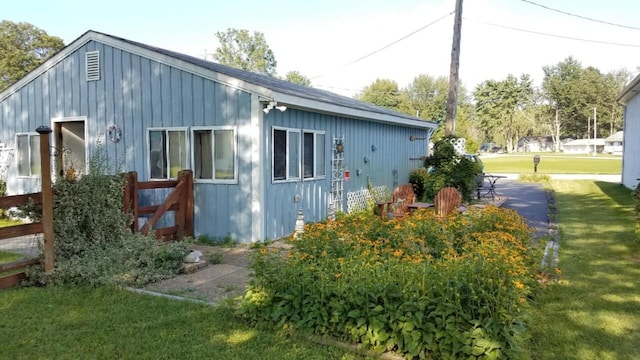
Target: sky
(328, 41)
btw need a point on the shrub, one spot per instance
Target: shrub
(419, 178)
(450, 169)
(430, 287)
(93, 244)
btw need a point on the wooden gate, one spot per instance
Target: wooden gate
(180, 201)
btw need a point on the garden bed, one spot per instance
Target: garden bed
(453, 287)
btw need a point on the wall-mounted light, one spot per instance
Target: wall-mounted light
(414, 138)
(373, 148)
(273, 104)
(366, 159)
(358, 172)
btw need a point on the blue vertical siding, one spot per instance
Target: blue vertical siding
(137, 93)
(392, 154)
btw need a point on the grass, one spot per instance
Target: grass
(108, 323)
(8, 222)
(592, 311)
(553, 164)
(7, 257)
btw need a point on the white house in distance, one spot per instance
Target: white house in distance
(631, 127)
(613, 144)
(583, 146)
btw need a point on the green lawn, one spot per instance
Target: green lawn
(7, 222)
(107, 323)
(593, 310)
(552, 164)
(6, 257)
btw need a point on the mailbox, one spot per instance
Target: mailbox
(536, 161)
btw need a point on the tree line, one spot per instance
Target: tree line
(500, 111)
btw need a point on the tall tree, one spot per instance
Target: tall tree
(500, 106)
(428, 96)
(573, 92)
(297, 78)
(240, 49)
(22, 48)
(385, 93)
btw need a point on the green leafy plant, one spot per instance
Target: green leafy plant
(226, 241)
(419, 178)
(93, 243)
(424, 287)
(448, 168)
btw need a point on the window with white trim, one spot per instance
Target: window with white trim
(214, 154)
(28, 154)
(286, 154)
(313, 165)
(168, 149)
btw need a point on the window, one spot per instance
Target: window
(167, 152)
(28, 151)
(294, 150)
(214, 154)
(286, 154)
(313, 160)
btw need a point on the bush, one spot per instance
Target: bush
(93, 243)
(3, 192)
(419, 178)
(450, 169)
(439, 288)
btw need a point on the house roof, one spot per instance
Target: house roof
(617, 137)
(266, 87)
(631, 90)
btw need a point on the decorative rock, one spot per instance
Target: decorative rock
(193, 256)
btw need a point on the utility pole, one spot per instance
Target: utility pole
(452, 100)
(595, 130)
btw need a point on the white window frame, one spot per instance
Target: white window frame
(315, 133)
(287, 176)
(166, 149)
(213, 129)
(29, 135)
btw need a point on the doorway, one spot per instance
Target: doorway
(70, 144)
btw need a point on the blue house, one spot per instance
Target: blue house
(260, 148)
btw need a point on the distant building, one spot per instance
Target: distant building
(631, 127)
(613, 144)
(583, 146)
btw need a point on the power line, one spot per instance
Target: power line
(391, 44)
(580, 16)
(555, 35)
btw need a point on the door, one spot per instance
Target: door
(70, 147)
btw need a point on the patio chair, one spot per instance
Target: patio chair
(447, 201)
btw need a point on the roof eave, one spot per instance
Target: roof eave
(631, 90)
(297, 101)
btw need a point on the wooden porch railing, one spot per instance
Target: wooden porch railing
(44, 198)
(180, 201)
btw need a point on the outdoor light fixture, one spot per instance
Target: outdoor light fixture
(273, 104)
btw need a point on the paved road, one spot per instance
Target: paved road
(529, 200)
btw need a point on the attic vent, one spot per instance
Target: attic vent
(93, 65)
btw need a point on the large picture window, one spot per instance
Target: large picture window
(286, 154)
(313, 156)
(214, 154)
(167, 152)
(28, 154)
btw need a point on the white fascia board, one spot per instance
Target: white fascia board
(630, 90)
(339, 110)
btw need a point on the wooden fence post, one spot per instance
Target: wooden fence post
(130, 198)
(47, 198)
(188, 202)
